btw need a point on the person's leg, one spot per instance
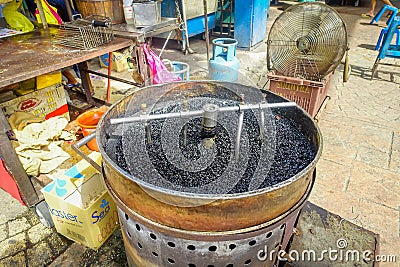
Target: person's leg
(371, 11)
(387, 2)
(372, 8)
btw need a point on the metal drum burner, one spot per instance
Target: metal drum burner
(150, 244)
(207, 173)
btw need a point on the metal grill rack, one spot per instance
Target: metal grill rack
(85, 34)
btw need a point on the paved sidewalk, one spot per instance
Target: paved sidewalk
(358, 176)
(359, 172)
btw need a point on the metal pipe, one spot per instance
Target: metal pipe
(113, 78)
(143, 107)
(206, 29)
(238, 135)
(184, 114)
(165, 44)
(185, 127)
(262, 119)
(187, 48)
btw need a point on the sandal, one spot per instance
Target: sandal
(366, 16)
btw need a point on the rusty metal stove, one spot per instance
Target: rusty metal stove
(241, 219)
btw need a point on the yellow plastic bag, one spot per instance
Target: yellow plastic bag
(50, 14)
(16, 20)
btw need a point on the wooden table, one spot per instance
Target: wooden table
(29, 55)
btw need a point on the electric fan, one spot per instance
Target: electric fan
(307, 41)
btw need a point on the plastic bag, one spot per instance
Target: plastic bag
(158, 69)
(50, 14)
(16, 20)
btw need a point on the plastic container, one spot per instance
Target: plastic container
(88, 123)
(306, 93)
(181, 69)
(146, 13)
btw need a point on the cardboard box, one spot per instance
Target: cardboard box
(80, 206)
(44, 103)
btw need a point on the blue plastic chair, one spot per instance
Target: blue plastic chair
(383, 32)
(387, 49)
(382, 11)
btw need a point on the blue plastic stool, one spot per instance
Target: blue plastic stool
(380, 14)
(388, 50)
(383, 32)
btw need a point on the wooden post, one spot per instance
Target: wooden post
(11, 160)
(86, 84)
(110, 55)
(41, 13)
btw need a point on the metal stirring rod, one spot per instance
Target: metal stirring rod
(183, 114)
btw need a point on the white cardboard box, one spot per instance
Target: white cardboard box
(80, 205)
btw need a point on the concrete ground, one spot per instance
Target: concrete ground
(358, 175)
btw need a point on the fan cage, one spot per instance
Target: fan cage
(307, 41)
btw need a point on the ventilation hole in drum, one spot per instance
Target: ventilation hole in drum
(153, 236)
(191, 265)
(139, 245)
(229, 265)
(137, 227)
(269, 234)
(126, 217)
(155, 254)
(191, 247)
(232, 246)
(212, 248)
(129, 234)
(252, 242)
(171, 244)
(247, 262)
(171, 261)
(283, 226)
(210, 265)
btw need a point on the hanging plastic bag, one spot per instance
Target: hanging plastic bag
(158, 69)
(16, 20)
(50, 14)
